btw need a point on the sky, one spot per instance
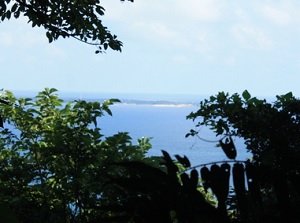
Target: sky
(171, 47)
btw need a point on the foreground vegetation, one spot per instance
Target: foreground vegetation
(272, 134)
(54, 160)
(57, 167)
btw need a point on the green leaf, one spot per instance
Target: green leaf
(114, 100)
(14, 7)
(100, 10)
(288, 96)
(246, 95)
(8, 14)
(105, 46)
(52, 90)
(49, 36)
(17, 14)
(183, 160)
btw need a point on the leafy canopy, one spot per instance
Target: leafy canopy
(271, 132)
(53, 157)
(79, 19)
(263, 125)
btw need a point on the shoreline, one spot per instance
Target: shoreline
(173, 105)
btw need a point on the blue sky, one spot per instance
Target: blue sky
(192, 47)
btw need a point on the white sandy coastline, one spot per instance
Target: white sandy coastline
(156, 105)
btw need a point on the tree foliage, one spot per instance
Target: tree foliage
(272, 134)
(262, 124)
(53, 158)
(166, 194)
(79, 19)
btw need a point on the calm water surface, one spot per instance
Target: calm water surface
(168, 127)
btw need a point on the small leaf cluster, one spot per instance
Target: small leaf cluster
(79, 19)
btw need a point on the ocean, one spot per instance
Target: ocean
(162, 120)
(167, 125)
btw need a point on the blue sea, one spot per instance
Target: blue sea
(167, 125)
(164, 120)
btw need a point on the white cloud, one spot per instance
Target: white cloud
(161, 33)
(178, 58)
(25, 38)
(6, 39)
(279, 16)
(200, 44)
(230, 60)
(156, 30)
(32, 37)
(199, 10)
(55, 51)
(171, 22)
(251, 37)
(205, 10)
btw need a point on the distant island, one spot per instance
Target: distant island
(130, 99)
(156, 103)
